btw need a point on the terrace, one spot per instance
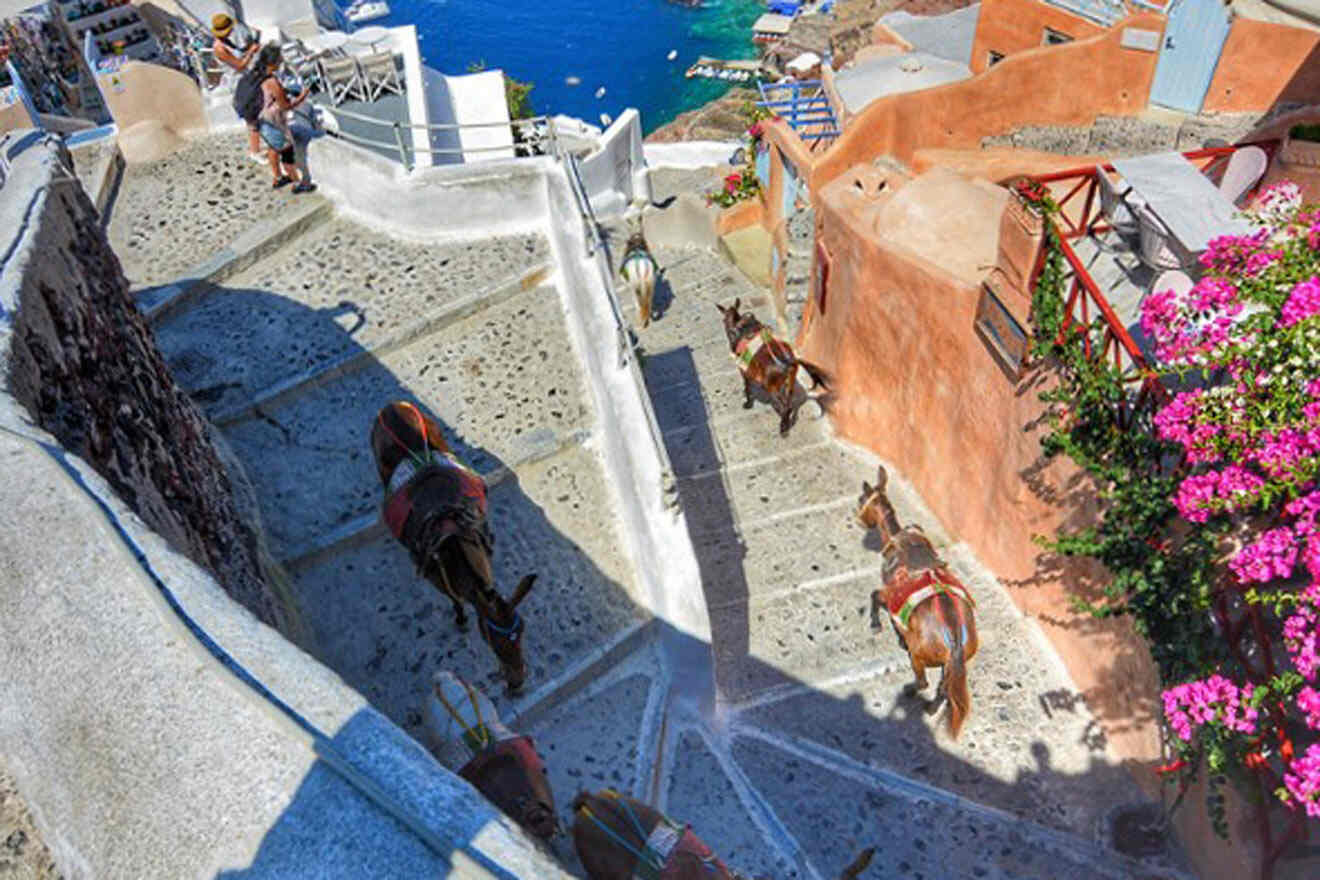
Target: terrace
(1105, 277)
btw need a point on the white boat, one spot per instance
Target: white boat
(367, 10)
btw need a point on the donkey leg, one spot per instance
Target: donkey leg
(747, 392)
(920, 683)
(460, 616)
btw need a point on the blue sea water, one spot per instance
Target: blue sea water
(618, 45)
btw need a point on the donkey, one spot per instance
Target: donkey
(638, 269)
(619, 838)
(436, 507)
(931, 610)
(766, 361)
(502, 765)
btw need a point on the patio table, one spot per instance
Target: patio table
(369, 36)
(327, 41)
(1190, 206)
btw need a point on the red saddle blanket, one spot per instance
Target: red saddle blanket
(444, 486)
(761, 348)
(908, 589)
(520, 749)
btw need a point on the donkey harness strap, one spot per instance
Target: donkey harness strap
(747, 348)
(928, 584)
(476, 738)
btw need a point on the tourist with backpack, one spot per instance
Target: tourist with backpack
(226, 50)
(273, 120)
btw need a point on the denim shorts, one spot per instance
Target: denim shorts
(274, 137)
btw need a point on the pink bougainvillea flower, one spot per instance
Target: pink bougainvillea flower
(1303, 780)
(1302, 303)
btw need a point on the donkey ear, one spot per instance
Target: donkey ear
(524, 587)
(722, 309)
(737, 301)
(866, 488)
(881, 476)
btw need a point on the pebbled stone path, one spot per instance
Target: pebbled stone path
(811, 752)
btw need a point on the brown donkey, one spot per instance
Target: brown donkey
(436, 507)
(766, 361)
(931, 610)
(619, 838)
(502, 765)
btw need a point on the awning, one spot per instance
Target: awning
(772, 24)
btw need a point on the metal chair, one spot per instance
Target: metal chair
(379, 75)
(1245, 168)
(342, 79)
(1158, 249)
(302, 62)
(1112, 205)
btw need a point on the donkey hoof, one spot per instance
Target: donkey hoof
(912, 688)
(747, 404)
(461, 623)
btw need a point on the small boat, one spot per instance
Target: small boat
(572, 80)
(600, 92)
(366, 10)
(673, 53)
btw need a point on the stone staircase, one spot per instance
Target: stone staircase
(291, 327)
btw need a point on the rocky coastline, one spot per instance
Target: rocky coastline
(839, 33)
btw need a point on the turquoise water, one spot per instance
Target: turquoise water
(620, 46)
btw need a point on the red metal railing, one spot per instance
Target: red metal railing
(1084, 304)
(1085, 307)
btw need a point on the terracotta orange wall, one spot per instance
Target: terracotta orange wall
(1058, 85)
(915, 384)
(1010, 26)
(1262, 64)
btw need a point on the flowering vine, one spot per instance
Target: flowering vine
(1211, 519)
(1248, 334)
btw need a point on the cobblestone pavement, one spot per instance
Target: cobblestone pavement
(812, 752)
(173, 213)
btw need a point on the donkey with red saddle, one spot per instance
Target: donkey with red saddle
(502, 765)
(621, 838)
(436, 507)
(931, 610)
(767, 361)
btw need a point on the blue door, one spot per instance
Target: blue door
(1193, 38)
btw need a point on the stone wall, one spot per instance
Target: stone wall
(80, 359)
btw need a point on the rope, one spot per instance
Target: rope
(644, 855)
(481, 735)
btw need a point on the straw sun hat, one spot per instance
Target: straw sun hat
(221, 25)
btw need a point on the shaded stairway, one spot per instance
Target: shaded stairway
(811, 752)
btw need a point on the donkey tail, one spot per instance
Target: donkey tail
(955, 688)
(818, 376)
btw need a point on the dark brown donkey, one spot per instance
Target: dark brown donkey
(931, 610)
(619, 838)
(436, 507)
(767, 361)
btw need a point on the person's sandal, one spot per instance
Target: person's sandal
(304, 187)
(283, 181)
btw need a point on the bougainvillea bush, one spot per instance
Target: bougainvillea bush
(1247, 336)
(1211, 499)
(743, 183)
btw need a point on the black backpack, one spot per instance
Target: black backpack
(248, 99)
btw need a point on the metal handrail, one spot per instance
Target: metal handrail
(404, 150)
(597, 253)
